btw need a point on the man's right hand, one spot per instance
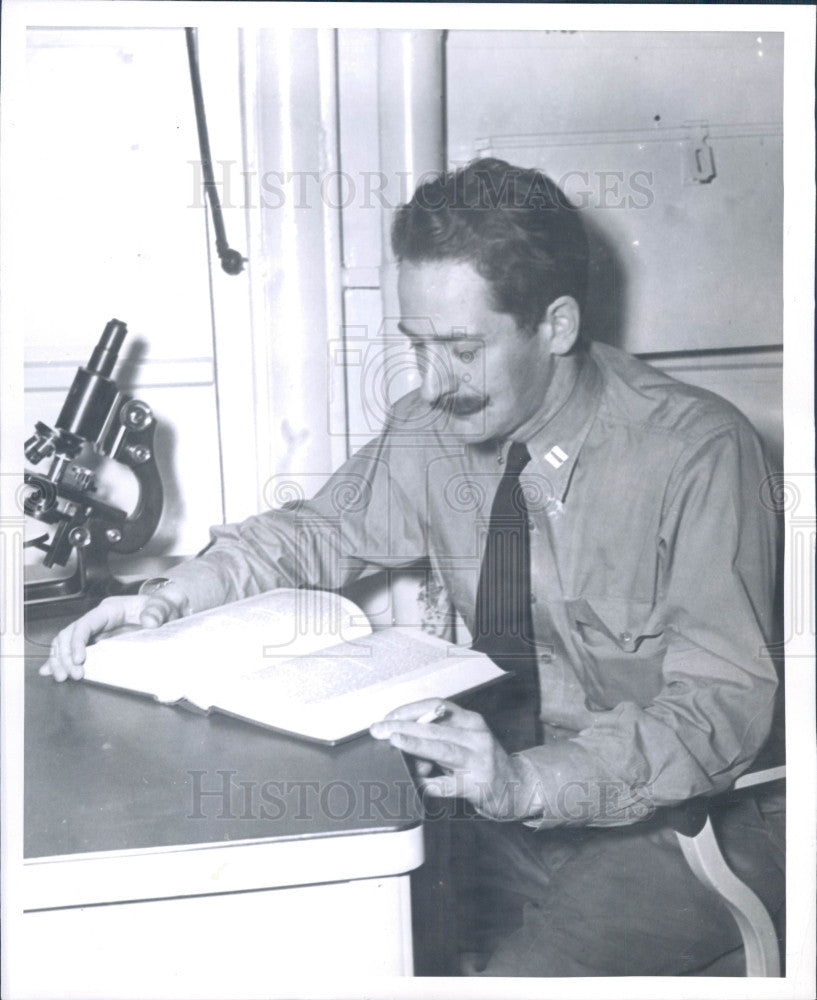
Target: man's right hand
(67, 654)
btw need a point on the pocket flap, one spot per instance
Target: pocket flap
(625, 623)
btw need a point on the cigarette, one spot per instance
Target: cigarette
(433, 714)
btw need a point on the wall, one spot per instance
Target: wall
(686, 253)
(686, 272)
(390, 133)
(116, 228)
(390, 90)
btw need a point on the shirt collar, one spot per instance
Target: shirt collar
(554, 447)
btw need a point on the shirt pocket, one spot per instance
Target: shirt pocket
(621, 645)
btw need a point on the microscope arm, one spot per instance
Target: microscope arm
(137, 452)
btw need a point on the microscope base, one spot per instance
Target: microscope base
(53, 598)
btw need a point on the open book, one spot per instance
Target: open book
(301, 661)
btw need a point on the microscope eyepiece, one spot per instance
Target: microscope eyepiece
(93, 392)
(106, 351)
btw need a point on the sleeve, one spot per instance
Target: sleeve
(714, 709)
(363, 519)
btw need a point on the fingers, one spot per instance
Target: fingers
(67, 654)
(68, 649)
(446, 752)
(416, 709)
(443, 786)
(73, 641)
(165, 605)
(46, 670)
(58, 668)
(157, 611)
(459, 717)
(448, 746)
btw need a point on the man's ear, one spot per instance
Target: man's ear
(561, 324)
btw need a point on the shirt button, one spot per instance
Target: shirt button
(626, 636)
(531, 526)
(533, 598)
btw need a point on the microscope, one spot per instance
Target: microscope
(115, 425)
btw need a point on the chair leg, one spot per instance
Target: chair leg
(704, 857)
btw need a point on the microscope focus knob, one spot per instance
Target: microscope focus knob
(79, 537)
(42, 444)
(82, 478)
(136, 415)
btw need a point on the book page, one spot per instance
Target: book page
(341, 691)
(349, 666)
(353, 713)
(188, 657)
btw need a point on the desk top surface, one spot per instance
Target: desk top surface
(111, 771)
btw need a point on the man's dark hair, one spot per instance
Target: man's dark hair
(514, 226)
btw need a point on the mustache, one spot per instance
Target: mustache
(459, 406)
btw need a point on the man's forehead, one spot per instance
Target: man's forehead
(443, 284)
(422, 328)
(447, 301)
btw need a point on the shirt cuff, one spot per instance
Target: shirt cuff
(570, 788)
(201, 584)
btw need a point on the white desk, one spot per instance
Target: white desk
(171, 854)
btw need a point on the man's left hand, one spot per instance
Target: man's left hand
(476, 766)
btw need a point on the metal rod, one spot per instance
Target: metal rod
(231, 260)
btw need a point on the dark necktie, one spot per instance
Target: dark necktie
(503, 627)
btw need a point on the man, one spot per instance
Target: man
(641, 587)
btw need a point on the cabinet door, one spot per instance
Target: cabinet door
(671, 144)
(677, 264)
(270, 943)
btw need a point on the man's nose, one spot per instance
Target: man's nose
(438, 377)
